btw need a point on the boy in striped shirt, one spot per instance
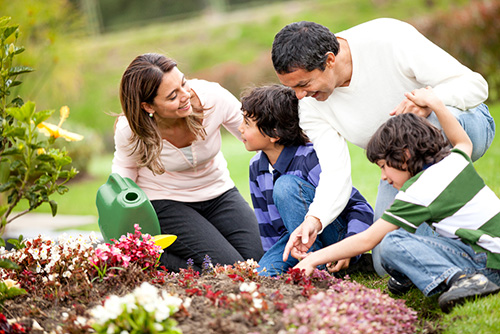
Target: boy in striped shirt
(284, 175)
(460, 255)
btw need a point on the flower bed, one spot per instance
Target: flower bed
(80, 286)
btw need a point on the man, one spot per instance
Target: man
(349, 84)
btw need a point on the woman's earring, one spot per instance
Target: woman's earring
(151, 114)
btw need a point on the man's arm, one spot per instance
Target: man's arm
(334, 186)
(428, 64)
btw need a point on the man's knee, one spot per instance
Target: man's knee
(480, 127)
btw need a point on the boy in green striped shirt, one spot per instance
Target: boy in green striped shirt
(460, 255)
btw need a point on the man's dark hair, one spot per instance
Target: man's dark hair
(303, 45)
(275, 109)
(408, 134)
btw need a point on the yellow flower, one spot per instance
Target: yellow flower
(55, 131)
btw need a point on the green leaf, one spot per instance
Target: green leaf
(53, 207)
(18, 50)
(11, 83)
(4, 170)
(14, 150)
(6, 263)
(23, 113)
(15, 132)
(18, 101)
(9, 31)
(3, 209)
(4, 20)
(62, 190)
(16, 70)
(41, 116)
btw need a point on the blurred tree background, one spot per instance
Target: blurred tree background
(80, 48)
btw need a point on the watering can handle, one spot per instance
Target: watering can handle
(119, 181)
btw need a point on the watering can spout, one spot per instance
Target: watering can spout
(121, 204)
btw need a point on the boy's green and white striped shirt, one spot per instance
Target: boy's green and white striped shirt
(452, 198)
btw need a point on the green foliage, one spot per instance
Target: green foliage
(18, 243)
(477, 24)
(7, 292)
(30, 168)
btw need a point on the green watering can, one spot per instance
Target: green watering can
(121, 204)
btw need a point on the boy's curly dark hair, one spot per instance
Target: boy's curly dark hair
(408, 139)
(275, 109)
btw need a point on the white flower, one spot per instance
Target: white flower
(10, 283)
(67, 274)
(111, 328)
(52, 277)
(257, 303)
(170, 300)
(158, 327)
(129, 302)
(187, 302)
(82, 321)
(145, 293)
(35, 252)
(162, 313)
(248, 287)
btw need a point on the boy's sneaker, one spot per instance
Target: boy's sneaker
(397, 288)
(466, 287)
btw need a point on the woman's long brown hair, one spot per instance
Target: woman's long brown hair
(140, 83)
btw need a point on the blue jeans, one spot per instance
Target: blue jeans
(428, 259)
(480, 128)
(292, 197)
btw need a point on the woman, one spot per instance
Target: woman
(168, 141)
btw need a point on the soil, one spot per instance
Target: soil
(44, 314)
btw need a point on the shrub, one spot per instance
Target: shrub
(30, 167)
(349, 307)
(470, 34)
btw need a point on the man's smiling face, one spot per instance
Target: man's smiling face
(317, 84)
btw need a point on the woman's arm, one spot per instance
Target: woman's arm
(123, 163)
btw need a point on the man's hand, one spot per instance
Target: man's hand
(302, 238)
(334, 267)
(407, 106)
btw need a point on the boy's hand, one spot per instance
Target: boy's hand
(306, 265)
(424, 97)
(302, 238)
(334, 267)
(407, 106)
